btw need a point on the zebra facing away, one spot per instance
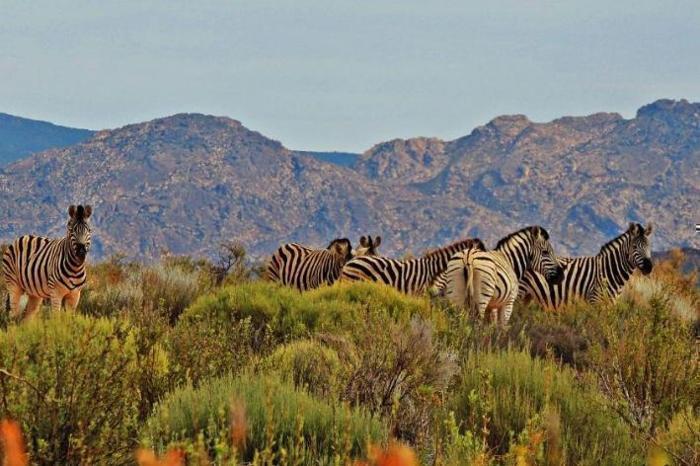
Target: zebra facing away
(596, 278)
(412, 276)
(488, 280)
(49, 268)
(306, 268)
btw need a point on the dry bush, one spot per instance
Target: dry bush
(399, 369)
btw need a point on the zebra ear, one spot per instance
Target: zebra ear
(88, 211)
(363, 241)
(377, 241)
(648, 229)
(71, 211)
(632, 228)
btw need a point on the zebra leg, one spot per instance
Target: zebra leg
(14, 295)
(32, 306)
(56, 302)
(72, 300)
(506, 310)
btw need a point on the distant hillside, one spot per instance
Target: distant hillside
(20, 137)
(344, 159)
(187, 182)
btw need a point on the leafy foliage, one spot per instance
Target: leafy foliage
(72, 383)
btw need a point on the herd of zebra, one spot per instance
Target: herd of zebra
(522, 265)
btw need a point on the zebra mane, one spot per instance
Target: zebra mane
(433, 251)
(616, 240)
(534, 229)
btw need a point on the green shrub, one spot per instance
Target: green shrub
(647, 362)
(221, 330)
(281, 422)
(73, 384)
(307, 364)
(681, 441)
(499, 393)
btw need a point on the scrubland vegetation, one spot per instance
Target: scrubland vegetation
(214, 366)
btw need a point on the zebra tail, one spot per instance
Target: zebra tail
(472, 300)
(455, 282)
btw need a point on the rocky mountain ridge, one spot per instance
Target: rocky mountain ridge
(187, 182)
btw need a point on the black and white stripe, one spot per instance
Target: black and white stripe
(49, 268)
(409, 276)
(595, 278)
(306, 268)
(488, 280)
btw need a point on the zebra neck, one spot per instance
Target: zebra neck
(436, 262)
(434, 265)
(69, 260)
(517, 254)
(614, 265)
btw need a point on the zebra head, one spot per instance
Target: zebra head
(542, 257)
(368, 246)
(342, 247)
(640, 247)
(79, 230)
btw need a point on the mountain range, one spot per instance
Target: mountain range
(20, 137)
(187, 182)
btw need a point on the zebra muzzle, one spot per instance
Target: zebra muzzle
(81, 251)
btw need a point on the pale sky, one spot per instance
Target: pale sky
(343, 75)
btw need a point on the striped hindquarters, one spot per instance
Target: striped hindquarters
(412, 276)
(29, 262)
(481, 280)
(304, 268)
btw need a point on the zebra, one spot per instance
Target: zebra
(305, 268)
(49, 268)
(596, 278)
(488, 280)
(412, 276)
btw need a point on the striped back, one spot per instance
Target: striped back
(37, 266)
(409, 276)
(594, 278)
(305, 268)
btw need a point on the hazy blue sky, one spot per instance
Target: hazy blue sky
(343, 74)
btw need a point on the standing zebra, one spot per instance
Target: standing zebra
(595, 278)
(305, 268)
(409, 276)
(489, 279)
(49, 268)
